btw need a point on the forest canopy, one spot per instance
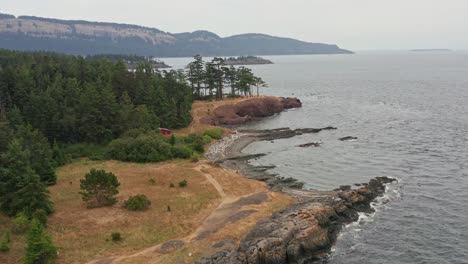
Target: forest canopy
(73, 99)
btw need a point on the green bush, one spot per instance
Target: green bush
(172, 140)
(137, 203)
(171, 185)
(92, 151)
(4, 243)
(40, 215)
(151, 146)
(20, 224)
(197, 142)
(116, 236)
(152, 181)
(214, 133)
(183, 184)
(181, 152)
(195, 157)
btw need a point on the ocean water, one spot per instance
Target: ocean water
(409, 111)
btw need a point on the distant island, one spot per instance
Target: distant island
(429, 50)
(246, 60)
(132, 60)
(78, 37)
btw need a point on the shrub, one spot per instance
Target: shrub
(171, 185)
(98, 188)
(195, 157)
(116, 236)
(172, 140)
(92, 151)
(20, 224)
(40, 215)
(206, 139)
(181, 152)
(137, 203)
(152, 181)
(149, 147)
(4, 243)
(183, 184)
(197, 142)
(214, 133)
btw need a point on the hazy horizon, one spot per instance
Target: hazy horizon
(363, 25)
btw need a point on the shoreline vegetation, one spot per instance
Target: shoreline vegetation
(63, 118)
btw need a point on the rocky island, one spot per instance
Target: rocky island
(247, 60)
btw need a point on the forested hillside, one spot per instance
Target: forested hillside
(85, 38)
(72, 99)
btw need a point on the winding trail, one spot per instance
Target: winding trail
(212, 180)
(231, 209)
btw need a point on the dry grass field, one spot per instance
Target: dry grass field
(74, 227)
(82, 235)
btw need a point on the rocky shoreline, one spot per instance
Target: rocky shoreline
(304, 232)
(249, 110)
(307, 230)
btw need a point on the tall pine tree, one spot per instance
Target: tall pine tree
(40, 249)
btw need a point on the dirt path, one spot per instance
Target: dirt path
(233, 209)
(212, 180)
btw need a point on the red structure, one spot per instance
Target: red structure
(165, 131)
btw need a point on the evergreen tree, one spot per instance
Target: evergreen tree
(40, 249)
(21, 189)
(219, 76)
(57, 155)
(196, 73)
(98, 188)
(258, 82)
(6, 132)
(32, 195)
(14, 164)
(40, 153)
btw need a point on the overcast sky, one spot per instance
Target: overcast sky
(352, 24)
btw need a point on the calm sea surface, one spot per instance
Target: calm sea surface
(409, 111)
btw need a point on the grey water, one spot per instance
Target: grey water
(409, 111)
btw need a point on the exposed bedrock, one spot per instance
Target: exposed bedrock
(240, 162)
(248, 110)
(304, 232)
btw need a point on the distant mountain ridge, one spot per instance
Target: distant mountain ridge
(87, 38)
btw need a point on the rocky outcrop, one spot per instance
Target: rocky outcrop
(248, 110)
(303, 232)
(232, 157)
(311, 144)
(348, 138)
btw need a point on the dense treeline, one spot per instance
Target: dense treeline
(50, 102)
(210, 79)
(72, 99)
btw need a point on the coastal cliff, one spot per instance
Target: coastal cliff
(80, 37)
